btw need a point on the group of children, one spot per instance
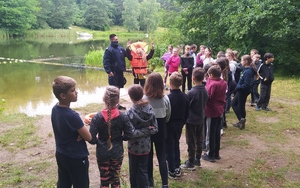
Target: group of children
(143, 125)
(154, 119)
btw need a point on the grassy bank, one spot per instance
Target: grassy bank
(264, 154)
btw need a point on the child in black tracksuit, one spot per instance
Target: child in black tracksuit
(187, 64)
(266, 74)
(197, 97)
(179, 109)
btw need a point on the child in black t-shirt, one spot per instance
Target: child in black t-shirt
(70, 136)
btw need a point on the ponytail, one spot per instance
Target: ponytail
(111, 99)
(109, 122)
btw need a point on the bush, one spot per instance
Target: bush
(94, 57)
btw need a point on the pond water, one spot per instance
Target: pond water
(27, 87)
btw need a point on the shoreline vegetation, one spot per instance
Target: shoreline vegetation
(95, 55)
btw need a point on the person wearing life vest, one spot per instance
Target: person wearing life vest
(138, 58)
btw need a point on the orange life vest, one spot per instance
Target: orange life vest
(138, 65)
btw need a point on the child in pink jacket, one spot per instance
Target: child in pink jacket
(173, 62)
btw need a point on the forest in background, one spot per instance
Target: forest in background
(269, 25)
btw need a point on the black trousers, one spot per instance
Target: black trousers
(214, 136)
(158, 140)
(138, 168)
(139, 81)
(238, 104)
(194, 139)
(117, 80)
(188, 78)
(265, 93)
(174, 131)
(72, 172)
(254, 93)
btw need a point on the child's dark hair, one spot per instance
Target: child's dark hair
(111, 99)
(255, 51)
(193, 46)
(236, 55)
(176, 79)
(224, 65)
(62, 84)
(220, 54)
(111, 36)
(256, 56)
(136, 94)
(210, 51)
(215, 70)
(268, 56)
(198, 74)
(154, 86)
(249, 61)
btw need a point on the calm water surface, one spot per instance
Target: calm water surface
(27, 87)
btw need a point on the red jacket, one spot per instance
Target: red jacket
(216, 89)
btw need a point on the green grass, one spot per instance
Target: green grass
(19, 137)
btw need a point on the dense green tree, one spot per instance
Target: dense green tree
(131, 14)
(270, 25)
(98, 14)
(149, 15)
(43, 16)
(62, 13)
(17, 16)
(117, 12)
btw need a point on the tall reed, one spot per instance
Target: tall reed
(4, 33)
(51, 33)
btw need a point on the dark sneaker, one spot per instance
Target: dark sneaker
(188, 166)
(242, 123)
(257, 108)
(172, 175)
(225, 125)
(197, 162)
(253, 104)
(121, 107)
(236, 124)
(178, 172)
(150, 183)
(267, 109)
(217, 157)
(208, 158)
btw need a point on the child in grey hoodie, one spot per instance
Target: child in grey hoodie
(142, 117)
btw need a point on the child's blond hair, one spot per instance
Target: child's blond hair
(111, 99)
(176, 80)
